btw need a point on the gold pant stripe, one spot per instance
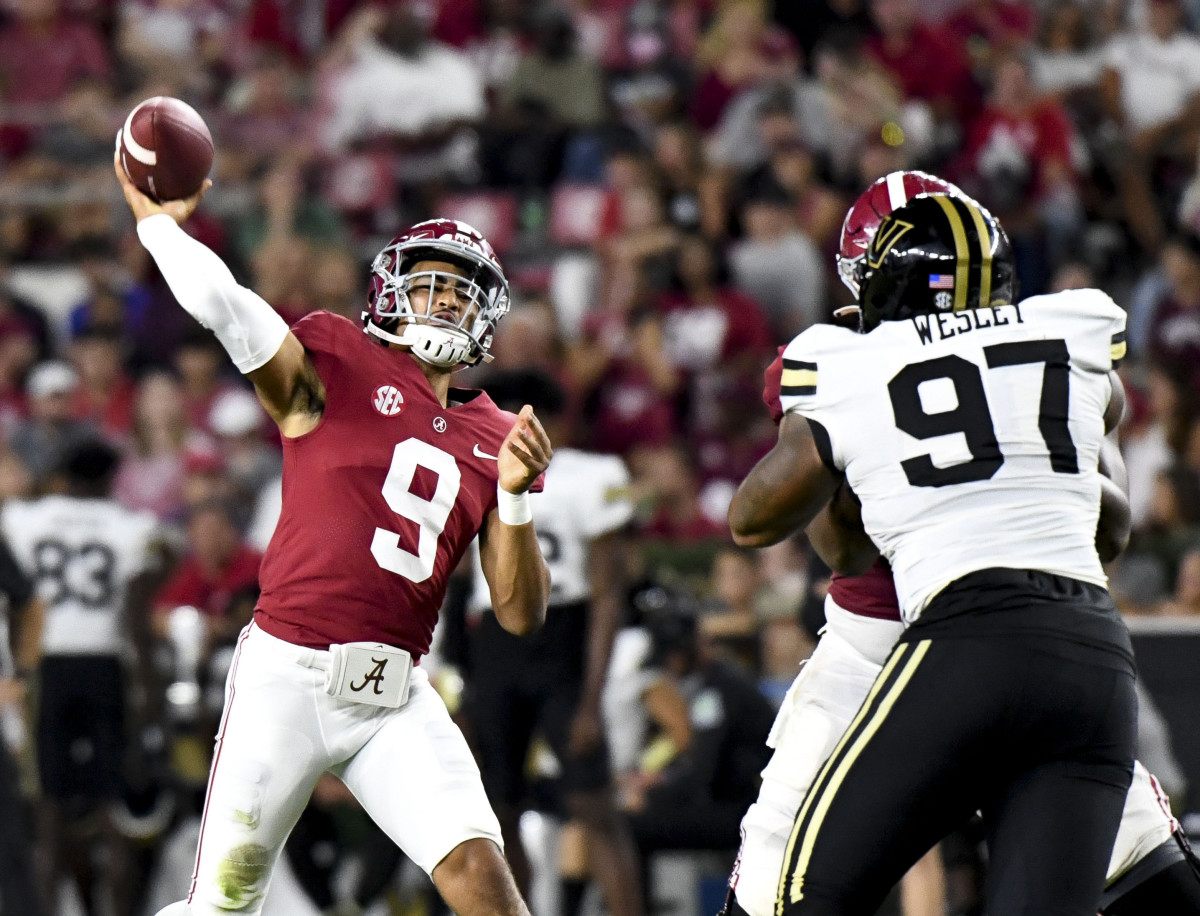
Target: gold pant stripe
(846, 761)
(897, 655)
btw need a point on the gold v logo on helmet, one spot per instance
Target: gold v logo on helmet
(885, 239)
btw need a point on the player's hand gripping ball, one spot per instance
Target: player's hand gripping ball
(165, 148)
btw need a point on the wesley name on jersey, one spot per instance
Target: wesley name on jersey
(952, 324)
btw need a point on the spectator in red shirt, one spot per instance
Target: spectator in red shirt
(1175, 324)
(1019, 146)
(926, 59)
(199, 362)
(620, 369)
(989, 26)
(18, 352)
(713, 334)
(631, 398)
(151, 474)
(735, 53)
(216, 566)
(44, 54)
(668, 475)
(708, 324)
(106, 393)
(1020, 136)
(277, 24)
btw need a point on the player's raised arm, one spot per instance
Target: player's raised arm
(508, 547)
(256, 338)
(785, 490)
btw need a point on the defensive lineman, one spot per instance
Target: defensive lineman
(1150, 870)
(389, 473)
(1012, 688)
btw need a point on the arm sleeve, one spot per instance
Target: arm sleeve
(247, 327)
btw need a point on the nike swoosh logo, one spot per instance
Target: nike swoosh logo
(479, 454)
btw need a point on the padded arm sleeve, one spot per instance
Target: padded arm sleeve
(247, 327)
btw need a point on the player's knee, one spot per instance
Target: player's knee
(241, 878)
(476, 863)
(474, 858)
(175, 909)
(474, 880)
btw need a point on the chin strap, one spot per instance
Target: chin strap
(439, 347)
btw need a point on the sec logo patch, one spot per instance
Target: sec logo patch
(388, 400)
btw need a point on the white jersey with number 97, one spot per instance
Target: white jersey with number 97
(82, 554)
(972, 438)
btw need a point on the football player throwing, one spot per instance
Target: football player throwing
(389, 473)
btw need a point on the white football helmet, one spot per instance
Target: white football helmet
(463, 336)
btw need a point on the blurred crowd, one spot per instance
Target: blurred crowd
(664, 181)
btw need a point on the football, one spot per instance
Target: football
(165, 148)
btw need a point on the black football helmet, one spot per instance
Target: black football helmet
(937, 253)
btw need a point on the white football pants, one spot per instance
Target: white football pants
(818, 708)
(410, 768)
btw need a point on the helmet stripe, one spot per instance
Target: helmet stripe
(985, 250)
(897, 196)
(962, 255)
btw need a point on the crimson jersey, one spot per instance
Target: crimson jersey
(380, 500)
(873, 594)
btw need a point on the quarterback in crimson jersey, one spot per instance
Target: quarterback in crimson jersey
(389, 473)
(371, 529)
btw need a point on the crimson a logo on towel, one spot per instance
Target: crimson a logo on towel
(388, 400)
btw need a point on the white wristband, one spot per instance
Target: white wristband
(513, 508)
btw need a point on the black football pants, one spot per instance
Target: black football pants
(17, 890)
(1035, 731)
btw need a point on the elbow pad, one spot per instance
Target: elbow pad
(247, 327)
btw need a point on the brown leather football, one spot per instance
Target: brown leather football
(165, 148)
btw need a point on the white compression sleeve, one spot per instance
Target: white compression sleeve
(249, 329)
